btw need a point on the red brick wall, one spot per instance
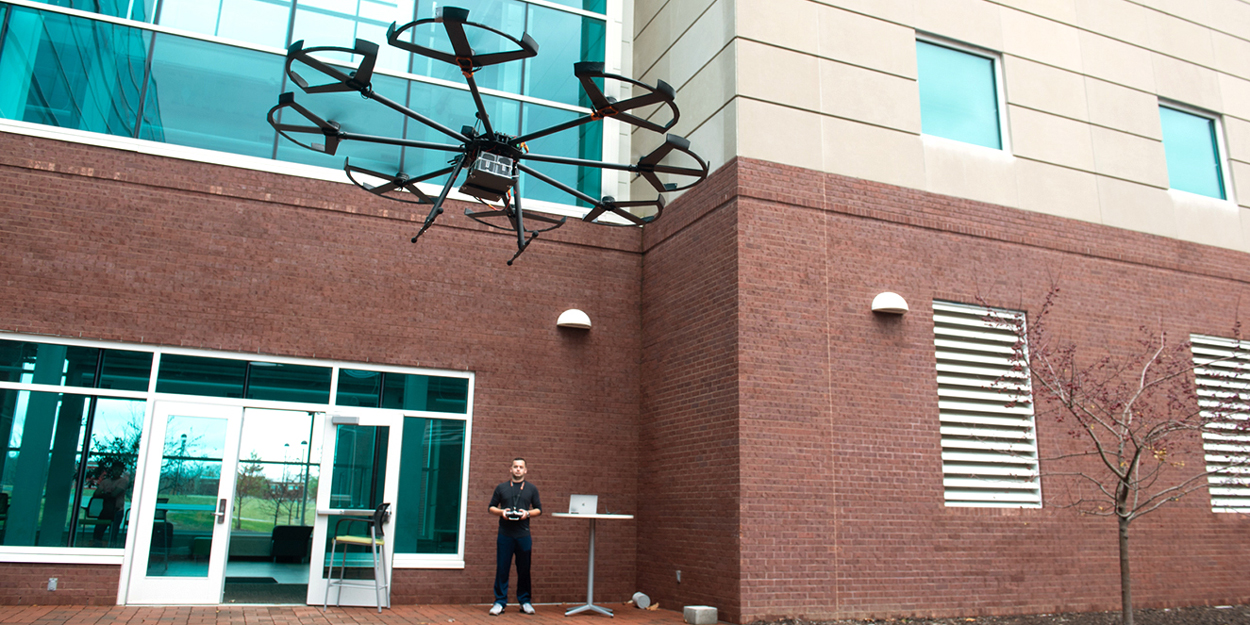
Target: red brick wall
(841, 503)
(105, 244)
(76, 584)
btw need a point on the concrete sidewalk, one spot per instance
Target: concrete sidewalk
(310, 615)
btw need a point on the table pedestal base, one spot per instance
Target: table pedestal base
(588, 607)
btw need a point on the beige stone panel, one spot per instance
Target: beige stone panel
(1241, 182)
(901, 12)
(867, 42)
(1232, 55)
(1129, 156)
(792, 24)
(778, 75)
(1117, 62)
(776, 133)
(1045, 88)
(1237, 135)
(1057, 10)
(1051, 139)
(1041, 40)
(970, 171)
(1179, 38)
(715, 140)
(1054, 190)
(1235, 96)
(1186, 83)
(863, 95)
(682, 37)
(872, 153)
(1209, 221)
(1230, 16)
(707, 92)
(1124, 109)
(969, 21)
(1136, 207)
(1116, 19)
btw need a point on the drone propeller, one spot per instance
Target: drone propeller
(662, 92)
(610, 205)
(328, 129)
(649, 166)
(358, 80)
(395, 185)
(454, 20)
(512, 213)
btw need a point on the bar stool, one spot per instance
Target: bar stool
(377, 546)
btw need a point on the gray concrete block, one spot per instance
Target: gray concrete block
(699, 614)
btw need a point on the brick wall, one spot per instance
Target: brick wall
(106, 244)
(839, 463)
(76, 584)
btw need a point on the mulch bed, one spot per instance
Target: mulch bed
(1207, 615)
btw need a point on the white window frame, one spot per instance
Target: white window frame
(1221, 154)
(1000, 88)
(989, 449)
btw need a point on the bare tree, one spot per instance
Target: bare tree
(1133, 415)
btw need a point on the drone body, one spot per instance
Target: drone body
(492, 161)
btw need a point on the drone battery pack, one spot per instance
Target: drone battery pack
(489, 178)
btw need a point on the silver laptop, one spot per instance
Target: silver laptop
(583, 504)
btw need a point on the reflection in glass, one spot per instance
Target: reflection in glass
(197, 375)
(1192, 153)
(287, 382)
(566, 39)
(958, 96)
(359, 477)
(262, 22)
(182, 532)
(71, 72)
(211, 96)
(430, 469)
(340, 24)
(372, 389)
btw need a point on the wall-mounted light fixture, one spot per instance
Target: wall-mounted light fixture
(573, 318)
(889, 303)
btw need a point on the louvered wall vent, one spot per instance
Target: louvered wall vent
(1222, 374)
(989, 443)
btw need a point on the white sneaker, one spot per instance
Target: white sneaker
(527, 609)
(497, 609)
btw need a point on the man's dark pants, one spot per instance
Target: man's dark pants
(506, 547)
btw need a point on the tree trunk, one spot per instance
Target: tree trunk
(1126, 582)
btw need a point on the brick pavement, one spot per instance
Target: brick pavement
(310, 615)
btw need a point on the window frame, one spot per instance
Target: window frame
(1000, 92)
(1221, 149)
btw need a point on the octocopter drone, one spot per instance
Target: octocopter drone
(492, 161)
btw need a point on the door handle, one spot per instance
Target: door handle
(221, 511)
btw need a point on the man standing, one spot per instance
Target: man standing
(514, 502)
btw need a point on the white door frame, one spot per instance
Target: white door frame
(143, 589)
(393, 419)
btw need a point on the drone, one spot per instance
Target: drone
(491, 161)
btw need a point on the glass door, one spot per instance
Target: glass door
(359, 470)
(185, 505)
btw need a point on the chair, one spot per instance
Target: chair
(374, 541)
(162, 542)
(289, 541)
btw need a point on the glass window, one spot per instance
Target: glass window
(403, 391)
(358, 477)
(48, 496)
(125, 370)
(356, 116)
(507, 17)
(262, 22)
(336, 23)
(195, 375)
(452, 108)
(284, 382)
(1193, 154)
(958, 95)
(429, 478)
(211, 96)
(563, 39)
(72, 72)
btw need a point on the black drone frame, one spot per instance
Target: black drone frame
(492, 159)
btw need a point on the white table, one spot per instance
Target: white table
(590, 578)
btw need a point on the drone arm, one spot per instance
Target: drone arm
(407, 143)
(383, 100)
(585, 119)
(437, 209)
(557, 184)
(580, 162)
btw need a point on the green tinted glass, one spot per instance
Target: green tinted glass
(423, 392)
(283, 382)
(46, 363)
(1192, 152)
(958, 96)
(358, 478)
(195, 375)
(431, 466)
(359, 388)
(125, 370)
